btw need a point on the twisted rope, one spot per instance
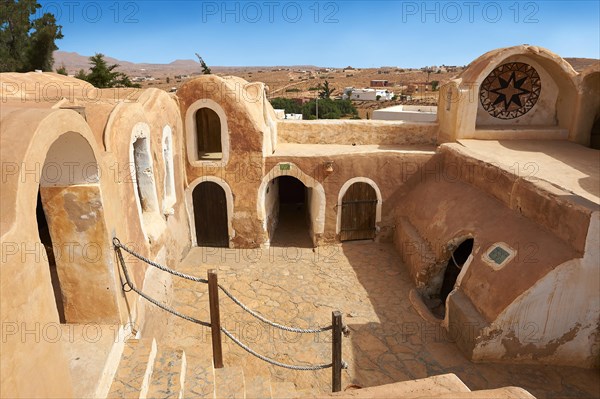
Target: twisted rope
(275, 362)
(272, 323)
(117, 243)
(149, 299)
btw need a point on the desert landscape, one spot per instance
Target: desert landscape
(298, 81)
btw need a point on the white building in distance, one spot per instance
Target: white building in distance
(367, 94)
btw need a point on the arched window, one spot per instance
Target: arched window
(208, 135)
(144, 176)
(143, 182)
(169, 197)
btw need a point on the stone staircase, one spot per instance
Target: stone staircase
(148, 370)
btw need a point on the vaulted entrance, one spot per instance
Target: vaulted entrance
(292, 219)
(359, 210)
(210, 215)
(73, 232)
(457, 260)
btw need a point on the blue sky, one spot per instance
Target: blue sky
(324, 33)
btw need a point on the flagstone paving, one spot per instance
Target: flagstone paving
(389, 341)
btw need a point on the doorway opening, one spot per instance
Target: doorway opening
(46, 240)
(595, 134)
(453, 268)
(210, 215)
(290, 214)
(359, 213)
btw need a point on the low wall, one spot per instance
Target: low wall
(359, 132)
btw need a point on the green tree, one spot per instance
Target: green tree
(81, 75)
(205, 69)
(434, 85)
(103, 75)
(62, 70)
(329, 109)
(42, 46)
(290, 106)
(26, 43)
(325, 91)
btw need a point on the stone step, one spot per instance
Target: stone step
(499, 393)
(169, 374)
(200, 375)
(258, 387)
(229, 383)
(307, 394)
(284, 390)
(430, 387)
(135, 370)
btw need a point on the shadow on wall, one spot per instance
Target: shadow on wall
(402, 346)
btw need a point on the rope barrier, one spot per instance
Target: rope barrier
(117, 243)
(275, 362)
(128, 283)
(150, 299)
(272, 323)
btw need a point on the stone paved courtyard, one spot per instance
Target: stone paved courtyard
(389, 341)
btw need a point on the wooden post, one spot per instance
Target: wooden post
(336, 351)
(215, 318)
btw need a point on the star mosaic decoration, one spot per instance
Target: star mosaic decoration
(510, 90)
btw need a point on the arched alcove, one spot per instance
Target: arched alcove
(169, 196)
(72, 228)
(207, 133)
(143, 181)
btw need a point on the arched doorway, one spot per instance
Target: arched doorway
(210, 215)
(289, 212)
(457, 260)
(358, 213)
(268, 203)
(72, 229)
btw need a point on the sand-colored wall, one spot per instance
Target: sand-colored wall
(388, 170)
(149, 233)
(556, 320)
(357, 132)
(542, 305)
(28, 302)
(247, 124)
(556, 106)
(588, 105)
(89, 213)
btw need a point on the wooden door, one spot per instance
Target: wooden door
(210, 215)
(359, 207)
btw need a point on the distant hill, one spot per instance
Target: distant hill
(579, 64)
(74, 62)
